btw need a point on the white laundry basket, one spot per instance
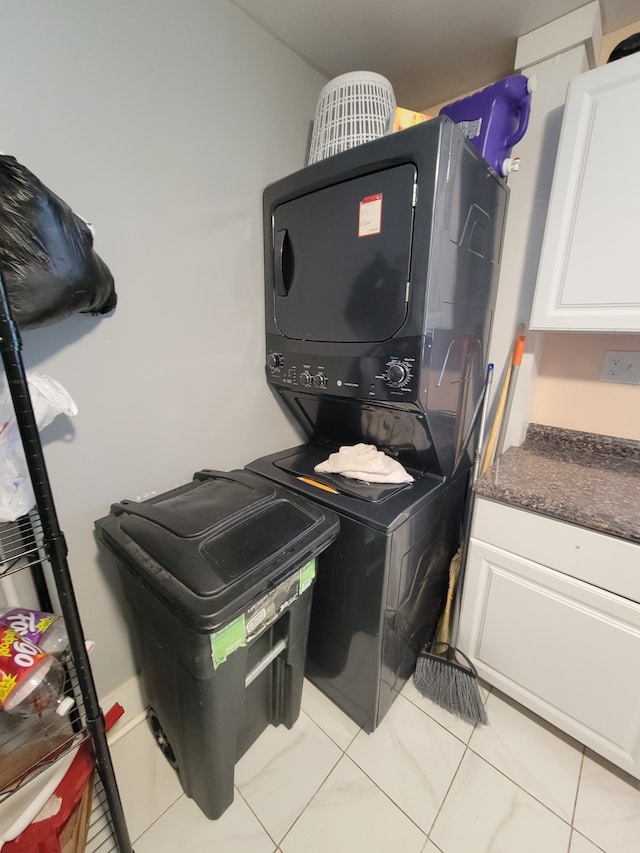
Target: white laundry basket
(352, 108)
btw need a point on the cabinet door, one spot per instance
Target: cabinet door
(568, 651)
(588, 274)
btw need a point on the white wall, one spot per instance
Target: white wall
(568, 390)
(528, 203)
(553, 54)
(570, 394)
(161, 122)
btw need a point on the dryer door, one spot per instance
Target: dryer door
(342, 256)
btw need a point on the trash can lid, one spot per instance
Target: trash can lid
(211, 546)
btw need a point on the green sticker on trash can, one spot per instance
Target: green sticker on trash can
(227, 640)
(261, 614)
(307, 574)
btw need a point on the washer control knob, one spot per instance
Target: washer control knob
(319, 380)
(306, 379)
(397, 373)
(274, 360)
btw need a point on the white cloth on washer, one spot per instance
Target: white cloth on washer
(364, 462)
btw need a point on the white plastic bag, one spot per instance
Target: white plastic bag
(48, 399)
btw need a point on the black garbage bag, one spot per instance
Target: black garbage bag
(48, 264)
(625, 48)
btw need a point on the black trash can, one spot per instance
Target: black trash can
(218, 576)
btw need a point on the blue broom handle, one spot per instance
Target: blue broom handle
(466, 532)
(483, 422)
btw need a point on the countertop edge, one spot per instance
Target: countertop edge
(579, 478)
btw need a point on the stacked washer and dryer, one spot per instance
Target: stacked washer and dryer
(381, 267)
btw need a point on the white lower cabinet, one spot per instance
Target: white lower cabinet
(546, 634)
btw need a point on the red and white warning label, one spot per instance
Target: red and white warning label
(370, 218)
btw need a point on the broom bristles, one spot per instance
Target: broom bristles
(451, 685)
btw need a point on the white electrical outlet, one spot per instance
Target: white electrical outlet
(621, 367)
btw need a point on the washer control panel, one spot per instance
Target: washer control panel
(375, 376)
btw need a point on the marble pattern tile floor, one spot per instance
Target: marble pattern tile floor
(423, 782)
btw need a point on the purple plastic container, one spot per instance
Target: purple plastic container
(494, 119)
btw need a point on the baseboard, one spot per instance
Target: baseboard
(129, 695)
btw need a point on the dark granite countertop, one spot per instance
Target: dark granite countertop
(579, 477)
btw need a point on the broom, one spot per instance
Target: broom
(443, 673)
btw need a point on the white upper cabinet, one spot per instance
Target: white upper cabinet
(589, 273)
